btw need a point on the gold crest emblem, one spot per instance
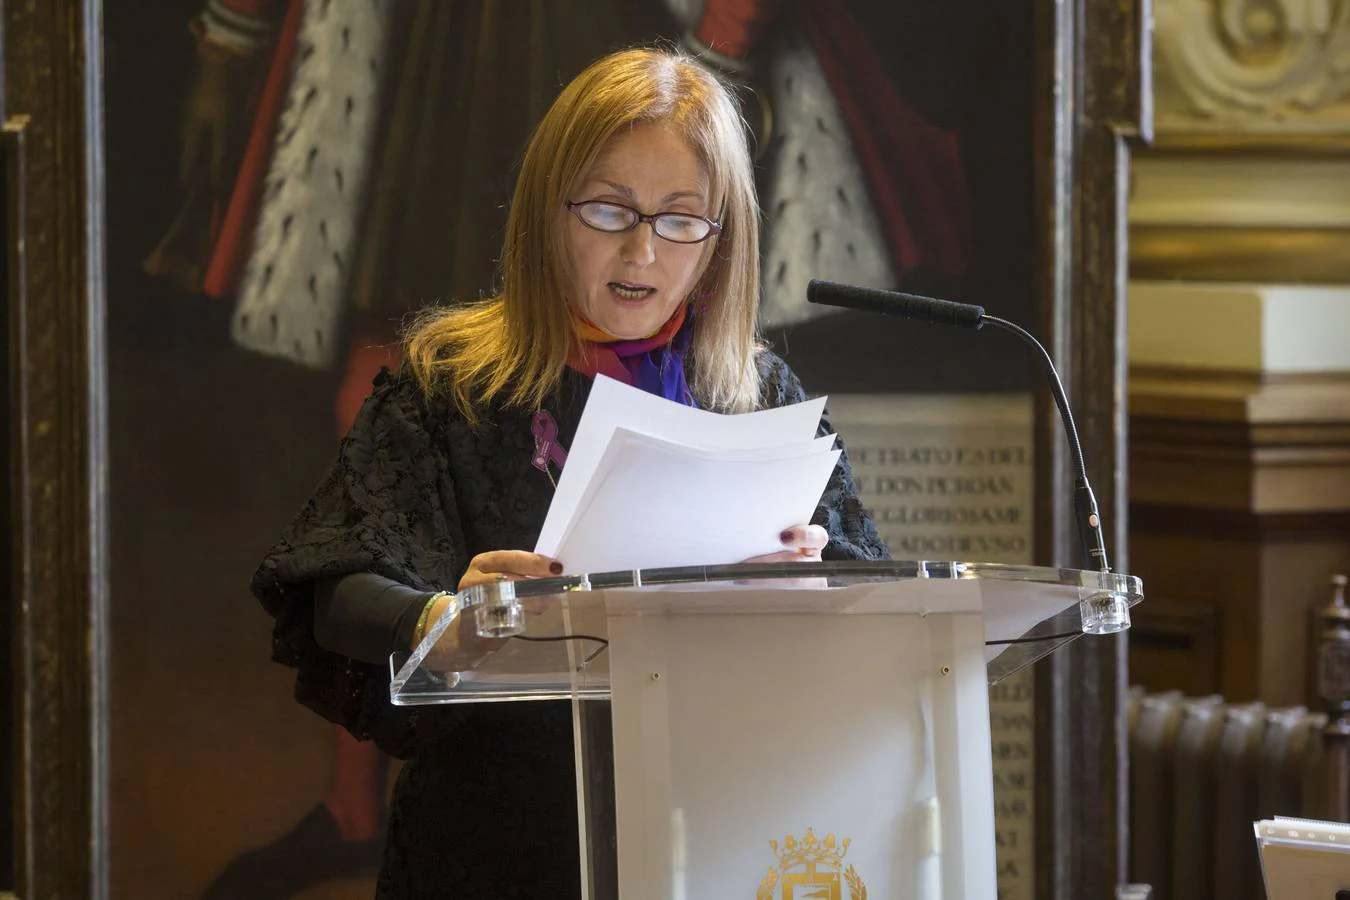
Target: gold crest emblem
(811, 869)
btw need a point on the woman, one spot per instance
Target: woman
(631, 250)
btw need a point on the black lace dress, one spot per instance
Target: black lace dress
(485, 807)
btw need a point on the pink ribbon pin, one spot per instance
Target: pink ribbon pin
(546, 446)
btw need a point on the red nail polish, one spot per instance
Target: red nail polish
(786, 536)
(555, 567)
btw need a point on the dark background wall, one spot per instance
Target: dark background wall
(964, 65)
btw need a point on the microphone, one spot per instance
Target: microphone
(968, 315)
(894, 303)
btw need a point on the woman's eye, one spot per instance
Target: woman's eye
(611, 214)
(683, 226)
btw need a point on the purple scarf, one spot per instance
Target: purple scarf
(654, 364)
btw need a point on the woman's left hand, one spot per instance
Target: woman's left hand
(802, 543)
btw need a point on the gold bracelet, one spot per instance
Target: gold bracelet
(420, 629)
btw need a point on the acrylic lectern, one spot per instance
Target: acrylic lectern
(802, 730)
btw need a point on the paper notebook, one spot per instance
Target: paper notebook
(1304, 859)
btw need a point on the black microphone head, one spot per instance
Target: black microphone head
(895, 303)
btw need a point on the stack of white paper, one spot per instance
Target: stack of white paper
(651, 483)
(1304, 859)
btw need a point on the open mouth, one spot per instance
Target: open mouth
(628, 291)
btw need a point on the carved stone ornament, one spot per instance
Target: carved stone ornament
(1252, 65)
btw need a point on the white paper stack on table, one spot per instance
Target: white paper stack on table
(650, 483)
(1304, 859)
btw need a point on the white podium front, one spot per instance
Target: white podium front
(810, 730)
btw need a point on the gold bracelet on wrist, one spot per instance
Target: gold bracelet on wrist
(420, 629)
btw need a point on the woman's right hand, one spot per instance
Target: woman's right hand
(461, 647)
(508, 565)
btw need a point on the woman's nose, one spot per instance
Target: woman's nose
(639, 245)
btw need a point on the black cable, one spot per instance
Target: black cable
(1032, 640)
(603, 642)
(562, 637)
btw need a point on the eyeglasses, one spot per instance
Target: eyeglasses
(679, 228)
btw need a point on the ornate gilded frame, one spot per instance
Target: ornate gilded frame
(1092, 88)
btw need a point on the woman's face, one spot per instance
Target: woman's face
(629, 283)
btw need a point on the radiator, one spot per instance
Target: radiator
(1201, 772)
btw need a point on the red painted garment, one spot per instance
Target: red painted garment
(235, 235)
(913, 168)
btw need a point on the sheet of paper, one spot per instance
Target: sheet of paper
(613, 404)
(656, 504)
(624, 436)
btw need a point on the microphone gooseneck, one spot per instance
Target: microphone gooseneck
(1084, 501)
(970, 316)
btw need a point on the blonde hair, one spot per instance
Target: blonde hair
(513, 348)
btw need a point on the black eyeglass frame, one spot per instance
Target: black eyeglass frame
(714, 227)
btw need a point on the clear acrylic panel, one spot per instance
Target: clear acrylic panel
(560, 652)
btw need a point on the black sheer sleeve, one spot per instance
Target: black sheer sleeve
(366, 616)
(387, 506)
(853, 534)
